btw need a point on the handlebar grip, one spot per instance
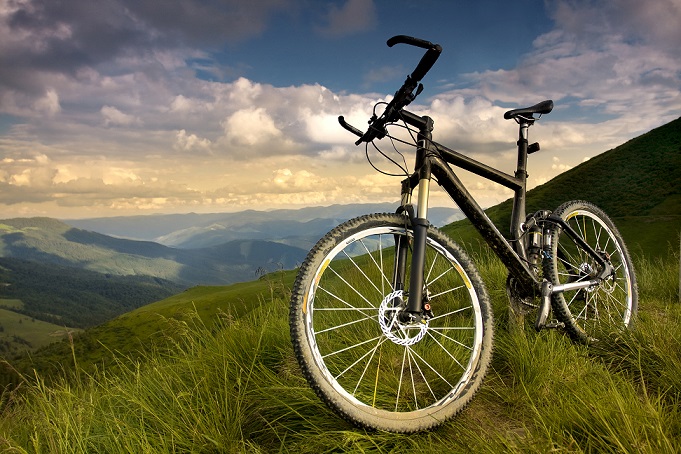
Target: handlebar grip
(349, 127)
(404, 39)
(427, 61)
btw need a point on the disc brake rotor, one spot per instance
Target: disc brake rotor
(400, 333)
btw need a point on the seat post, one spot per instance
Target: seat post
(518, 214)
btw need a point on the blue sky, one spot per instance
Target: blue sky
(341, 50)
(119, 107)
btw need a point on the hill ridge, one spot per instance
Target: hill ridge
(642, 173)
(641, 177)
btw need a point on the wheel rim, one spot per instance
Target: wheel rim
(608, 304)
(369, 358)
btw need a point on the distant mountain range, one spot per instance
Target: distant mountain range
(52, 272)
(49, 241)
(301, 228)
(76, 277)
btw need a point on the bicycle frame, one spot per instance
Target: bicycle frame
(432, 160)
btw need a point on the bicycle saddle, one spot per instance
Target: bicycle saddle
(543, 107)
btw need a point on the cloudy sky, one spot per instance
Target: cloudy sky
(119, 107)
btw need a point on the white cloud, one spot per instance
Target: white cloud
(190, 142)
(171, 139)
(182, 104)
(284, 180)
(557, 165)
(48, 104)
(251, 126)
(472, 123)
(243, 93)
(114, 117)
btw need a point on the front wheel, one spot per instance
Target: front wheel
(610, 305)
(364, 362)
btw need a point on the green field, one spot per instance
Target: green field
(212, 370)
(137, 331)
(21, 333)
(11, 303)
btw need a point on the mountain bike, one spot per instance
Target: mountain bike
(390, 320)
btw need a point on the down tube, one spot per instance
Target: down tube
(456, 190)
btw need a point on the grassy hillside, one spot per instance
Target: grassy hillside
(639, 178)
(20, 333)
(72, 297)
(228, 382)
(140, 329)
(638, 184)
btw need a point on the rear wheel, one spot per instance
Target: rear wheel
(367, 365)
(608, 306)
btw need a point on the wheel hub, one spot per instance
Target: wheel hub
(398, 332)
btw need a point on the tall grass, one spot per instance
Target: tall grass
(232, 385)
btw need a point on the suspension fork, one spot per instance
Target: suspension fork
(402, 241)
(419, 224)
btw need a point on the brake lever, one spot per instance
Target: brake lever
(413, 95)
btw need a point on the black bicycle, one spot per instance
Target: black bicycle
(390, 320)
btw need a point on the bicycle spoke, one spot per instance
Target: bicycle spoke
(430, 270)
(366, 367)
(413, 380)
(333, 328)
(446, 351)
(352, 287)
(452, 339)
(453, 289)
(361, 270)
(350, 347)
(456, 311)
(437, 278)
(453, 328)
(399, 383)
(384, 278)
(426, 363)
(349, 306)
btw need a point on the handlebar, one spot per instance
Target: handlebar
(404, 95)
(429, 58)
